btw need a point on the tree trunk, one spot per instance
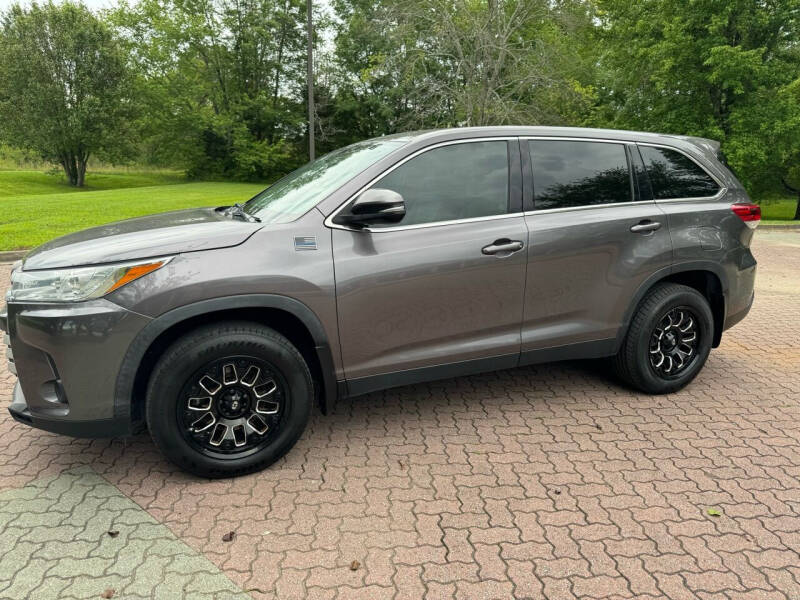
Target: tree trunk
(80, 177)
(278, 69)
(75, 167)
(70, 168)
(310, 82)
(797, 208)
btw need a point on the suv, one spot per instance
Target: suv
(393, 261)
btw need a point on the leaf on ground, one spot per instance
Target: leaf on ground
(714, 512)
(109, 593)
(354, 565)
(113, 533)
(228, 537)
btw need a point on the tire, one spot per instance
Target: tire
(264, 399)
(642, 361)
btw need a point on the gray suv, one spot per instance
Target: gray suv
(393, 261)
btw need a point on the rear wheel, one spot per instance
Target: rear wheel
(668, 341)
(229, 399)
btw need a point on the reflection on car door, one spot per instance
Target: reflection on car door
(595, 236)
(445, 285)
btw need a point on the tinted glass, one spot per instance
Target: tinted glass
(460, 181)
(675, 175)
(569, 173)
(639, 172)
(294, 195)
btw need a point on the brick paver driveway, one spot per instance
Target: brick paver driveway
(550, 481)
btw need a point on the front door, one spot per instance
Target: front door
(595, 237)
(419, 298)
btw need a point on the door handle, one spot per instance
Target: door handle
(646, 226)
(503, 247)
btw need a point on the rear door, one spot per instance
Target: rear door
(444, 285)
(690, 197)
(595, 236)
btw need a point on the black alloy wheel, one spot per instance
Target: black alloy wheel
(674, 342)
(228, 398)
(232, 405)
(668, 340)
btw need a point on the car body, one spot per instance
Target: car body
(518, 245)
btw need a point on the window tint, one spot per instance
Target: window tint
(459, 181)
(567, 173)
(639, 172)
(675, 175)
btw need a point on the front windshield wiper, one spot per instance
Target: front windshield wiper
(237, 211)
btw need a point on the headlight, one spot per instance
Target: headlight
(73, 285)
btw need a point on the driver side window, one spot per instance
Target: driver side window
(458, 181)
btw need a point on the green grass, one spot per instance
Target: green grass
(37, 214)
(777, 208)
(34, 183)
(787, 224)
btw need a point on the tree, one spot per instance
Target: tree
(224, 81)
(722, 69)
(64, 86)
(437, 63)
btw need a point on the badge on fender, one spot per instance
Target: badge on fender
(305, 243)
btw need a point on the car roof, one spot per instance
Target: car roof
(429, 135)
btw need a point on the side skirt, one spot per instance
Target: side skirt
(373, 383)
(580, 351)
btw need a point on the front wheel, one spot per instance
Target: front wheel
(668, 341)
(228, 399)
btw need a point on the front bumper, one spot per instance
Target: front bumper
(67, 357)
(84, 429)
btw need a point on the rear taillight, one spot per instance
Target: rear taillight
(749, 213)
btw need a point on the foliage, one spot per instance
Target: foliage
(217, 87)
(407, 64)
(222, 81)
(724, 69)
(64, 86)
(12, 157)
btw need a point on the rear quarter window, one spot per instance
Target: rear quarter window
(672, 174)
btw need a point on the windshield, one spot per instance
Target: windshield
(295, 194)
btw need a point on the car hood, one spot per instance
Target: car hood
(143, 237)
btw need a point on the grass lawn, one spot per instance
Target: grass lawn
(35, 207)
(30, 183)
(780, 208)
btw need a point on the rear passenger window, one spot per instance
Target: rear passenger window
(458, 181)
(567, 173)
(674, 175)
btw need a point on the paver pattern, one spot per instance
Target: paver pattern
(76, 536)
(550, 481)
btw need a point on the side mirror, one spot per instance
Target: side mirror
(375, 205)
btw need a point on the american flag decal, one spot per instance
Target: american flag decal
(305, 243)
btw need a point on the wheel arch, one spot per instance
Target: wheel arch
(288, 316)
(706, 277)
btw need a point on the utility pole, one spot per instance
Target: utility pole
(310, 79)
